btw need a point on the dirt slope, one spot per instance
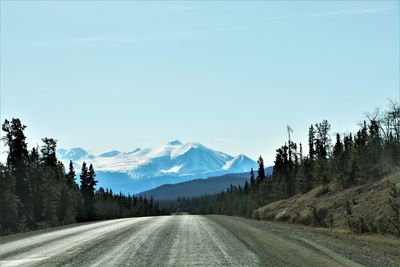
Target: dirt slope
(327, 206)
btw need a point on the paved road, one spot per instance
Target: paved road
(180, 240)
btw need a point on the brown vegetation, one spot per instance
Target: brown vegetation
(367, 208)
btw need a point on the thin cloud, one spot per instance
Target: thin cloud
(332, 13)
(230, 28)
(116, 40)
(184, 8)
(120, 40)
(109, 40)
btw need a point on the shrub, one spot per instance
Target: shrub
(394, 204)
(319, 215)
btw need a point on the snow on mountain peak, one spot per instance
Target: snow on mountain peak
(73, 153)
(174, 169)
(135, 151)
(172, 158)
(180, 150)
(240, 163)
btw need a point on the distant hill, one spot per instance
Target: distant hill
(199, 187)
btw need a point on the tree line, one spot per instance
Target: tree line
(37, 192)
(353, 159)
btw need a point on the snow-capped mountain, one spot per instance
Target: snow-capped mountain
(74, 154)
(239, 164)
(170, 163)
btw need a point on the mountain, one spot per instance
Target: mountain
(196, 187)
(143, 169)
(199, 187)
(239, 164)
(74, 154)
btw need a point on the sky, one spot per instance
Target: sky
(107, 75)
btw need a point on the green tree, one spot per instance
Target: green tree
(9, 202)
(88, 184)
(322, 149)
(17, 164)
(311, 143)
(261, 169)
(252, 179)
(48, 150)
(337, 161)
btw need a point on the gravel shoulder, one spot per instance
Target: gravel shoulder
(311, 246)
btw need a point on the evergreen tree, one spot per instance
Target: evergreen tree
(51, 197)
(246, 187)
(36, 192)
(17, 164)
(9, 202)
(338, 150)
(88, 184)
(48, 150)
(69, 199)
(338, 147)
(252, 179)
(71, 175)
(53, 174)
(322, 149)
(301, 179)
(349, 164)
(36, 178)
(375, 142)
(84, 189)
(311, 142)
(261, 169)
(322, 141)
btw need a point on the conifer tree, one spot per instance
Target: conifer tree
(322, 149)
(69, 198)
(252, 179)
(17, 164)
(375, 150)
(88, 183)
(71, 175)
(48, 150)
(338, 150)
(84, 188)
(311, 142)
(9, 202)
(36, 179)
(261, 169)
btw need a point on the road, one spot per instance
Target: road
(179, 240)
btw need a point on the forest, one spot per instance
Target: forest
(37, 192)
(351, 159)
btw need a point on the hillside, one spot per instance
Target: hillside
(199, 187)
(362, 208)
(196, 187)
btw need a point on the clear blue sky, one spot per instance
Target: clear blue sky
(231, 75)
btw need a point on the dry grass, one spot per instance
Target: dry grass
(327, 206)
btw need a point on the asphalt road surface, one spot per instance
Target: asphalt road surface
(180, 240)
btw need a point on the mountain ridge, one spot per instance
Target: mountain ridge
(199, 187)
(143, 169)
